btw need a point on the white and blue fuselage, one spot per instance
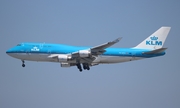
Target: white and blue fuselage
(88, 56)
(41, 52)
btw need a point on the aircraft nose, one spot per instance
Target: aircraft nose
(9, 51)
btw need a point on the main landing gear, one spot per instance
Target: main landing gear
(23, 63)
(79, 67)
(85, 66)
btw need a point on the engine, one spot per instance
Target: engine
(64, 58)
(84, 53)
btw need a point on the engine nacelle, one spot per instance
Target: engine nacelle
(63, 58)
(84, 53)
(65, 64)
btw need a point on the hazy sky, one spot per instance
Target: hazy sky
(149, 83)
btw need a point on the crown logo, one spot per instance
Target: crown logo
(154, 38)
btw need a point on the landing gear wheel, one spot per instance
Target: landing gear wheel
(88, 68)
(84, 67)
(23, 65)
(79, 67)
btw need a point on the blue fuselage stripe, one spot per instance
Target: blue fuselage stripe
(36, 48)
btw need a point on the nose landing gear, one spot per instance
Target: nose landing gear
(23, 63)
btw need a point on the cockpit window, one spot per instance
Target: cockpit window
(18, 44)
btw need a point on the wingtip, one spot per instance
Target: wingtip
(118, 39)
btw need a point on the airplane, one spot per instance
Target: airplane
(85, 57)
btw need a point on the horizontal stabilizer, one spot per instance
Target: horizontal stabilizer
(156, 51)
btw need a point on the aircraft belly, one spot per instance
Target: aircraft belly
(33, 57)
(42, 57)
(19, 55)
(116, 59)
(45, 58)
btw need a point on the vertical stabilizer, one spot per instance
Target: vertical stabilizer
(156, 40)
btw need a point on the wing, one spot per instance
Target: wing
(100, 49)
(89, 55)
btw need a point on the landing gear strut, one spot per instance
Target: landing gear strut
(86, 66)
(79, 67)
(23, 63)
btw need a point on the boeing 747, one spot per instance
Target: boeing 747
(84, 57)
